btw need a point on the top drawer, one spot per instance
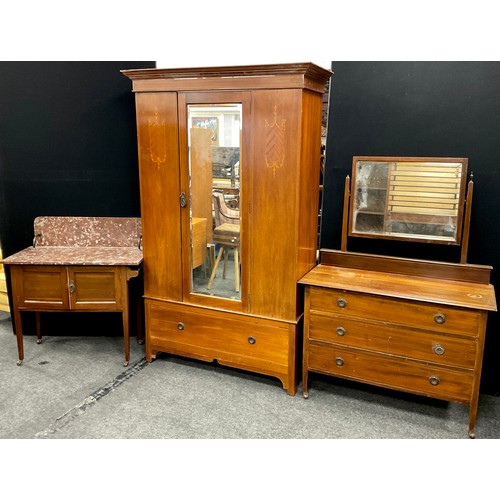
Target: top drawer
(400, 312)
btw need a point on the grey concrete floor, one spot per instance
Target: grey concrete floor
(75, 388)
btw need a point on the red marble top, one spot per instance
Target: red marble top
(84, 256)
(97, 241)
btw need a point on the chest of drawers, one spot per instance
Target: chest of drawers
(414, 333)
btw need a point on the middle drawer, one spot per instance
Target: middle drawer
(382, 337)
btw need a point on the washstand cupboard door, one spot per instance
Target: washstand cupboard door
(97, 288)
(40, 286)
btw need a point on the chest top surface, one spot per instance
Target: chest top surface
(418, 288)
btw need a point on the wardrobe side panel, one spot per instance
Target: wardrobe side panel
(310, 167)
(275, 176)
(157, 133)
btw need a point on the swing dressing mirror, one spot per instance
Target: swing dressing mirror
(411, 199)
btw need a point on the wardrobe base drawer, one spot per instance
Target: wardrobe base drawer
(254, 344)
(393, 372)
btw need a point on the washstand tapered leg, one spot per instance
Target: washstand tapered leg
(38, 328)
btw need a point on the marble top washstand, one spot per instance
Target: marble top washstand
(77, 264)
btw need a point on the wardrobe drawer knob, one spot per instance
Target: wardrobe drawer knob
(342, 303)
(251, 340)
(438, 349)
(340, 331)
(439, 318)
(434, 380)
(180, 325)
(339, 361)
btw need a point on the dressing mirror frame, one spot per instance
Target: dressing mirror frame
(352, 192)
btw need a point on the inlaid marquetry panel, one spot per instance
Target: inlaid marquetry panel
(275, 173)
(275, 140)
(157, 139)
(160, 210)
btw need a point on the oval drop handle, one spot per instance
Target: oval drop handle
(339, 361)
(251, 340)
(434, 380)
(340, 331)
(341, 303)
(180, 325)
(438, 349)
(439, 318)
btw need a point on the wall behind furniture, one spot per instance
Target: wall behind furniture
(447, 109)
(68, 146)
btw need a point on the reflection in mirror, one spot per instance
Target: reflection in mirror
(214, 175)
(408, 198)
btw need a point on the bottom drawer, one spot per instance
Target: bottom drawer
(392, 372)
(232, 339)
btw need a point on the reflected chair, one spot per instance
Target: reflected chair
(222, 212)
(226, 234)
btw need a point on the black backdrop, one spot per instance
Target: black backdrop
(447, 109)
(68, 146)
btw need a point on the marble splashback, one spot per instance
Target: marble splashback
(98, 241)
(87, 231)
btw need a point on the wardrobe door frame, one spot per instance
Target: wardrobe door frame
(218, 97)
